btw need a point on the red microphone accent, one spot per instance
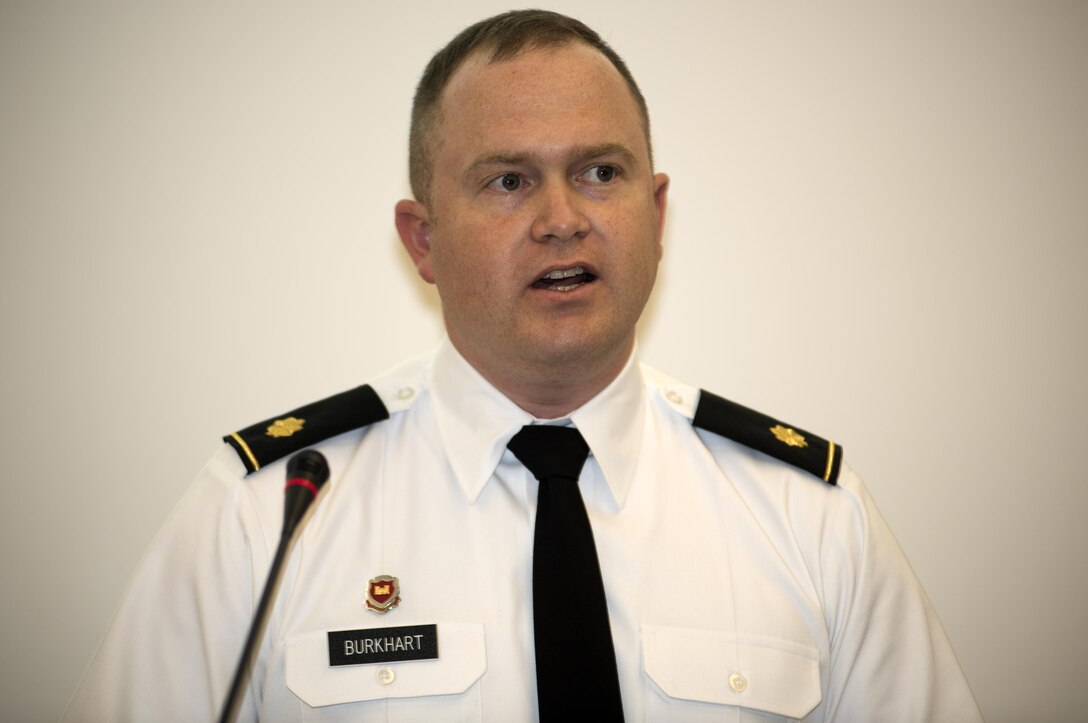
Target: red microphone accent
(301, 482)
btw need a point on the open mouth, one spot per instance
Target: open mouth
(564, 279)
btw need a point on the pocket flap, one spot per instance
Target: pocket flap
(461, 661)
(767, 674)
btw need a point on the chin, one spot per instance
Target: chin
(580, 348)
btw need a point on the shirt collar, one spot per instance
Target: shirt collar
(476, 422)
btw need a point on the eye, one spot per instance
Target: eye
(506, 182)
(601, 174)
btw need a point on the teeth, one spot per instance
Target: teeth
(564, 273)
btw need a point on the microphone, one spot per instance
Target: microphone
(307, 471)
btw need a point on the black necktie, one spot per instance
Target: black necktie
(575, 661)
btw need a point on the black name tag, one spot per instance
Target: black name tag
(383, 645)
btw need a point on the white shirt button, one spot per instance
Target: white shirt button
(405, 393)
(386, 676)
(738, 682)
(673, 397)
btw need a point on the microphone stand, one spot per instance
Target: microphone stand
(256, 631)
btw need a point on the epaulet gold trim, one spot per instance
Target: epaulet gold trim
(830, 460)
(245, 448)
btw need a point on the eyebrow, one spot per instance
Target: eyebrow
(575, 153)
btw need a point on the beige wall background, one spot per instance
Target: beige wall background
(878, 231)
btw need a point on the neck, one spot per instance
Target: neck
(553, 388)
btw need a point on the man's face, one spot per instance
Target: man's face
(543, 232)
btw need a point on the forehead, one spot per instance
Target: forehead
(541, 96)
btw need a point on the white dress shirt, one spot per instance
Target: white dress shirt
(738, 587)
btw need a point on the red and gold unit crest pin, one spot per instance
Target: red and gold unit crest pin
(383, 593)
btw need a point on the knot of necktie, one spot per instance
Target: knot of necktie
(548, 451)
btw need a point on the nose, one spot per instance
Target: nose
(559, 214)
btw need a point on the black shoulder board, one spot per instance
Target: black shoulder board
(802, 449)
(272, 439)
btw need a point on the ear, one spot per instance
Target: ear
(414, 227)
(661, 201)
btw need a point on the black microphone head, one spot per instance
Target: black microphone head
(309, 464)
(306, 472)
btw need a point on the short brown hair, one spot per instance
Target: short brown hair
(505, 36)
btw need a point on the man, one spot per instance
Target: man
(746, 573)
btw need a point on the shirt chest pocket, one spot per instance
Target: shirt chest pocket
(405, 690)
(700, 671)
